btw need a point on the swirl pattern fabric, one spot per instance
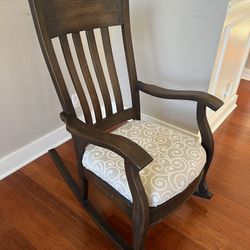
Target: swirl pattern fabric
(177, 160)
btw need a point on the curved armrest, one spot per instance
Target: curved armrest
(123, 146)
(201, 97)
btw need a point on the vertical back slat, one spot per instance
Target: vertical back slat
(87, 75)
(57, 76)
(99, 71)
(111, 67)
(75, 78)
(127, 40)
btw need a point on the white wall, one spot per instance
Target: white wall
(175, 44)
(28, 104)
(174, 41)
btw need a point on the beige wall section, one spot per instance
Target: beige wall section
(174, 41)
(28, 104)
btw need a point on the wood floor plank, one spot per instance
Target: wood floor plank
(207, 218)
(13, 240)
(5, 224)
(45, 221)
(188, 222)
(49, 178)
(173, 239)
(38, 210)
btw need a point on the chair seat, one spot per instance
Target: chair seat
(177, 160)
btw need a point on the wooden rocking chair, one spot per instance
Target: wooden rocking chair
(147, 170)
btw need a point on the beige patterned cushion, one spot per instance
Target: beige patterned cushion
(177, 160)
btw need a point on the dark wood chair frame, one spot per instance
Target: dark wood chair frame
(57, 18)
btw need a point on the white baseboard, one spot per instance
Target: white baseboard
(149, 118)
(23, 156)
(246, 74)
(217, 118)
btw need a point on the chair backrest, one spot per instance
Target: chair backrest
(61, 18)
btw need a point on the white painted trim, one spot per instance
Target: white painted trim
(243, 63)
(23, 156)
(217, 118)
(221, 54)
(246, 74)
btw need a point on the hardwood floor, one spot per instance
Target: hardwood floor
(38, 211)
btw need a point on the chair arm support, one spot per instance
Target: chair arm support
(123, 146)
(207, 140)
(198, 96)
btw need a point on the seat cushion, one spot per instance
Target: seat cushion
(177, 160)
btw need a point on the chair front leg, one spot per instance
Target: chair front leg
(140, 213)
(208, 144)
